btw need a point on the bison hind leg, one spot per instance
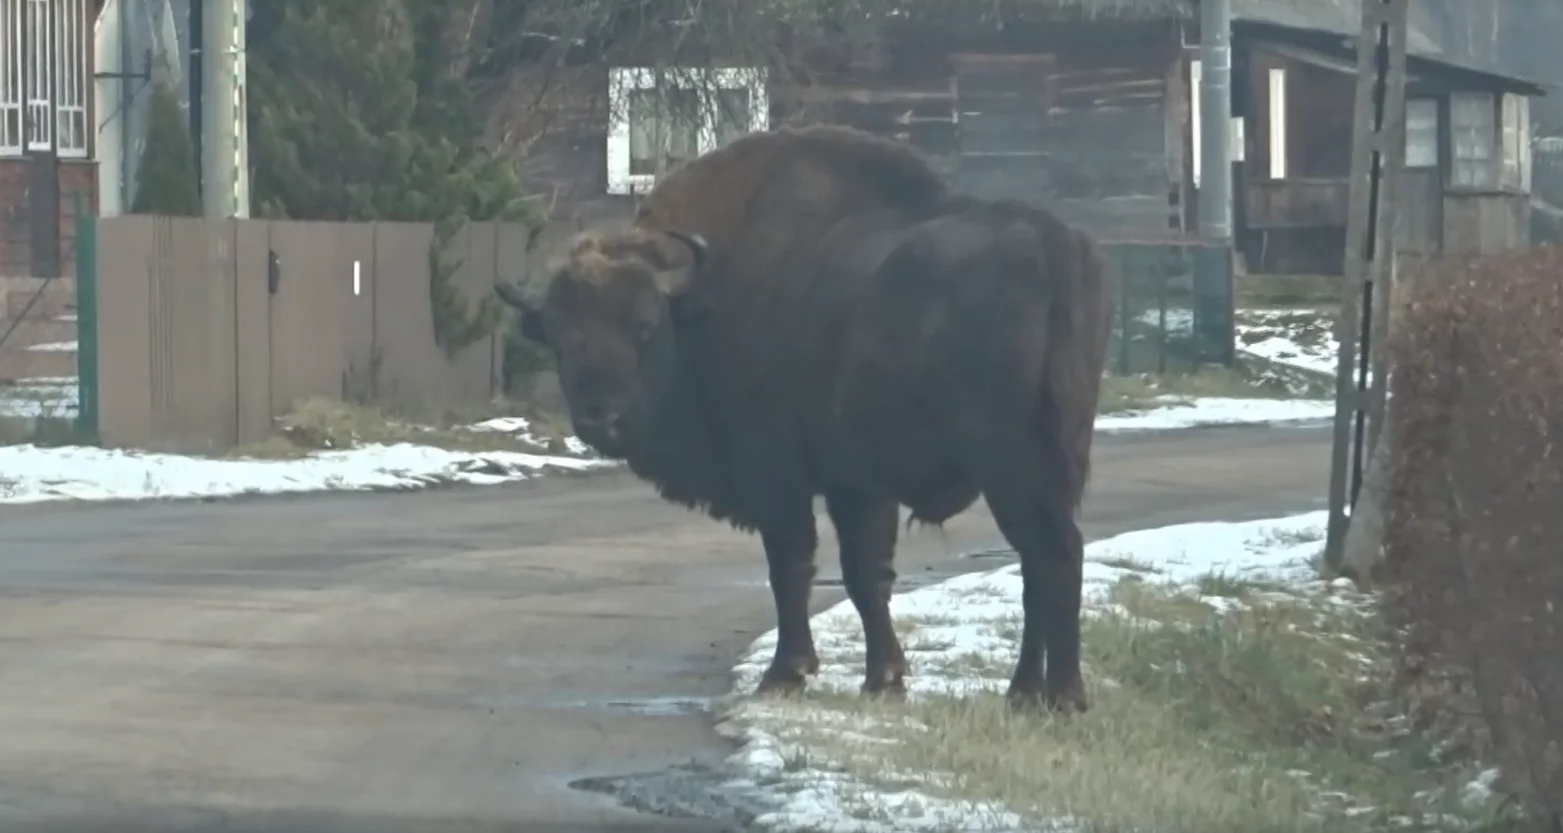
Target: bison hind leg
(1024, 480)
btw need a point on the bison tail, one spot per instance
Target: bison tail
(1079, 323)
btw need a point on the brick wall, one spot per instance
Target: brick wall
(76, 176)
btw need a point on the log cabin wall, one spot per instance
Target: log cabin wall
(1076, 116)
(1071, 115)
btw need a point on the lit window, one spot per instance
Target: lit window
(654, 127)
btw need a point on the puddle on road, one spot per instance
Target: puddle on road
(692, 791)
(653, 706)
(905, 581)
(998, 553)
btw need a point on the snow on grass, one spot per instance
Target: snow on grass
(521, 429)
(1233, 690)
(31, 474)
(53, 397)
(1301, 338)
(54, 347)
(1174, 412)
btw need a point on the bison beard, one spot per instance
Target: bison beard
(813, 312)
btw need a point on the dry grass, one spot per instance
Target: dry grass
(1240, 707)
(1250, 378)
(1287, 290)
(323, 424)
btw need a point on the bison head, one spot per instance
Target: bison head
(608, 316)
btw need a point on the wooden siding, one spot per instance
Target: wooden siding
(1296, 203)
(1073, 116)
(1479, 224)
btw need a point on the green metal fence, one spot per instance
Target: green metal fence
(86, 321)
(1174, 310)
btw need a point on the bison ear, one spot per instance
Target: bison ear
(531, 318)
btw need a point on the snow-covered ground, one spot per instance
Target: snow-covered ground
(30, 474)
(971, 610)
(50, 396)
(1301, 338)
(1214, 410)
(973, 615)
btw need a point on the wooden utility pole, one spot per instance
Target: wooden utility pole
(1378, 150)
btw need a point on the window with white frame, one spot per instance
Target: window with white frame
(43, 76)
(1473, 141)
(1422, 133)
(661, 118)
(1514, 137)
(1236, 144)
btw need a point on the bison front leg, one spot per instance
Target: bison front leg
(790, 541)
(866, 529)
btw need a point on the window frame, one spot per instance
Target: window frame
(1435, 135)
(623, 80)
(1490, 167)
(44, 84)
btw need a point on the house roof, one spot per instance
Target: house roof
(1335, 16)
(1330, 17)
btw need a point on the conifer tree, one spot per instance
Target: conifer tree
(166, 180)
(353, 117)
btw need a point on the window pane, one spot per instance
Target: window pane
(1421, 133)
(1513, 139)
(1473, 134)
(662, 126)
(683, 122)
(642, 118)
(732, 115)
(1473, 125)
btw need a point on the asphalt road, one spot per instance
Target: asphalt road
(444, 660)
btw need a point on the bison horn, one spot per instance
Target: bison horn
(697, 245)
(513, 295)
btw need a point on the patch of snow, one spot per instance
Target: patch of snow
(54, 347)
(962, 616)
(1179, 319)
(40, 397)
(521, 428)
(30, 474)
(1478, 792)
(1304, 339)
(1178, 412)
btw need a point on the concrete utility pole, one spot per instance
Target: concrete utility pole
(1377, 159)
(225, 156)
(1215, 96)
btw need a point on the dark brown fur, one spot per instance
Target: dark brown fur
(858, 332)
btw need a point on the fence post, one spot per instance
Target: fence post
(86, 321)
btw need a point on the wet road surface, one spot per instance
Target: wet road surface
(445, 660)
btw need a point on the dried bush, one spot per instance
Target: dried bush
(1474, 513)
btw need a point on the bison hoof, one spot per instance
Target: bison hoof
(780, 682)
(894, 692)
(1068, 702)
(888, 689)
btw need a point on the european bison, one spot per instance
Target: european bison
(815, 312)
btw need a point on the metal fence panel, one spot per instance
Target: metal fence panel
(1174, 306)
